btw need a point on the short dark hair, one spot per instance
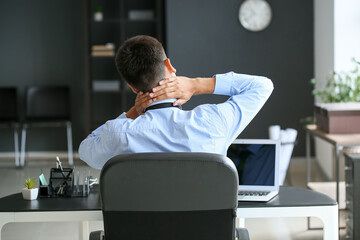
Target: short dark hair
(140, 61)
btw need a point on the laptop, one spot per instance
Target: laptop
(257, 162)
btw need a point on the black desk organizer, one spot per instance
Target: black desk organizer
(61, 184)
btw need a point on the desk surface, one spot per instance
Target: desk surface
(336, 139)
(16, 203)
(288, 197)
(293, 197)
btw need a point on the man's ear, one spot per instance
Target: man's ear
(169, 66)
(133, 89)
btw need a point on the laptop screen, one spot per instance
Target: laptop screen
(255, 161)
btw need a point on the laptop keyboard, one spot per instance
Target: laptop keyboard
(250, 193)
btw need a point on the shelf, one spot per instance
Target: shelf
(124, 21)
(102, 56)
(105, 57)
(140, 21)
(121, 20)
(329, 189)
(106, 92)
(106, 21)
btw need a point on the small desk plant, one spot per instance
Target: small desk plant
(30, 192)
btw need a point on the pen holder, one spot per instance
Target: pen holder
(61, 182)
(44, 191)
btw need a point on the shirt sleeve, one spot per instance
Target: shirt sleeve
(99, 146)
(248, 95)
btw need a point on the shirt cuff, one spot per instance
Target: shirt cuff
(223, 83)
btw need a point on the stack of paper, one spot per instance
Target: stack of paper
(107, 50)
(288, 139)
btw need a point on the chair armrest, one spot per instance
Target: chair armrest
(242, 234)
(97, 235)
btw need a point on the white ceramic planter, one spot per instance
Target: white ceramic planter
(98, 16)
(30, 194)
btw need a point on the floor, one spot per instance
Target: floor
(271, 228)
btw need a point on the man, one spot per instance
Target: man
(157, 124)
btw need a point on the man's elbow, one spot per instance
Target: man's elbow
(84, 154)
(87, 155)
(268, 84)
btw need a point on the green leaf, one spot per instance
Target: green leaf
(30, 183)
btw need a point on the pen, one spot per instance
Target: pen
(61, 168)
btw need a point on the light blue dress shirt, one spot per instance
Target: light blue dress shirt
(207, 128)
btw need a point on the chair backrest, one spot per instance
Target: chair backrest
(8, 104)
(47, 103)
(169, 196)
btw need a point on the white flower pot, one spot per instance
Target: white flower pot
(30, 194)
(98, 16)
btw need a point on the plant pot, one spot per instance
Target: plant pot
(98, 16)
(338, 118)
(30, 194)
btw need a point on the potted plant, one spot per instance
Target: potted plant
(341, 87)
(339, 111)
(98, 13)
(30, 192)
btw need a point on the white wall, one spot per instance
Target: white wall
(346, 33)
(323, 40)
(336, 41)
(336, 37)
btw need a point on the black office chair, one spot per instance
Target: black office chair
(9, 115)
(47, 107)
(169, 196)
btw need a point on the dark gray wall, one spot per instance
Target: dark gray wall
(204, 37)
(41, 43)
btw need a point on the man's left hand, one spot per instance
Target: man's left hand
(142, 101)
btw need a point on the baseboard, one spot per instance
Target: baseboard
(41, 155)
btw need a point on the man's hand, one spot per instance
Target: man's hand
(142, 101)
(182, 88)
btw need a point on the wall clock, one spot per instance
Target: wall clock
(255, 15)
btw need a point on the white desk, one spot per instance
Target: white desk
(291, 202)
(13, 209)
(296, 202)
(82, 217)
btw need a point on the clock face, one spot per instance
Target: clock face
(255, 15)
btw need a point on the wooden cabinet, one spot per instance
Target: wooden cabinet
(108, 24)
(352, 179)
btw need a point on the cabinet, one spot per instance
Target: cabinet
(108, 25)
(339, 141)
(352, 180)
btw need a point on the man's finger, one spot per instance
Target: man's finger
(145, 96)
(165, 93)
(179, 102)
(164, 86)
(167, 80)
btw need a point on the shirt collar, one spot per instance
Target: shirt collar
(170, 100)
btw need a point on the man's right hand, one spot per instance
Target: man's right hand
(181, 88)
